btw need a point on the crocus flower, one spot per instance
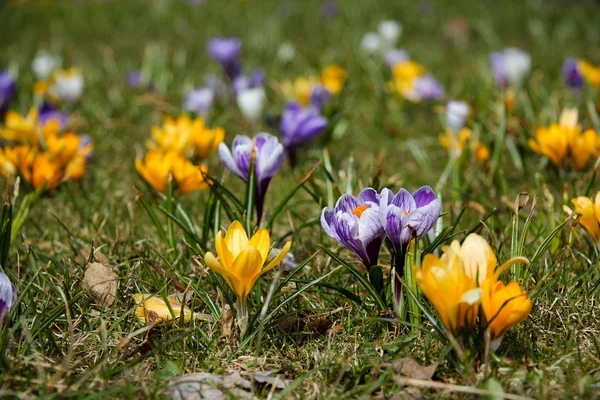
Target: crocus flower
(200, 100)
(226, 51)
(49, 113)
(268, 160)
(406, 216)
(426, 88)
(67, 85)
(7, 90)
(319, 97)
(251, 103)
(591, 73)
(134, 78)
(44, 64)
(451, 291)
(457, 113)
(590, 214)
(572, 75)
(241, 262)
(154, 310)
(256, 78)
(355, 223)
(395, 56)
(8, 298)
(559, 141)
(510, 67)
(29, 128)
(390, 32)
(286, 52)
(300, 124)
(371, 43)
(330, 9)
(504, 306)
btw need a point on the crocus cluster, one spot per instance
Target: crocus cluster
(590, 214)
(248, 89)
(8, 298)
(173, 148)
(565, 140)
(410, 81)
(313, 90)
(40, 150)
(242, 261)
(267, 154)
(464, 287)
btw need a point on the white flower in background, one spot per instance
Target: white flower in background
(44, 64)
(286, 52)
(67, 84)
(200, 100)
(510, 66)
(457, 113)
(251, 102)
(390, 32)
(371, 43)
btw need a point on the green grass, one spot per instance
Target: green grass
(63, 344)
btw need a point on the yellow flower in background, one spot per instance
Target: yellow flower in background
(558, 141)
(590, 73)
(482, 152)
(185, 136)
(447, 286)
(504, 306)
(156, 166)
(454, 144)
(17, 159)
(300, 89)
(45, 170)
(590, 214)
(407, 71)
(18, 128)
(156, 311)
(241, 259)
(189, 177)
(40, 88)
(333, 78)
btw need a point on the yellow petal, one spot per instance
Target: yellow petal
(286, 248)
(236, 238)
(223, 251)
(261, 241)
(158, 311)
(246, 268)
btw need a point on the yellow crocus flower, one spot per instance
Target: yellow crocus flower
(300, 90)
(407, 70)
(45, 170)
(185, 135)
(155, 168)
(189, 177)
(333, 78)
(452, 292)
(504, 306)
(590, 73)
(241, 259)
(590, 214)
(155, 310)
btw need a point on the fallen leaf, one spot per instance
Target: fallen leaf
(319, 325)
(226, 321)
(100, 283)
(408, 367)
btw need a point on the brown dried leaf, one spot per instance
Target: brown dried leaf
(226, 321)
(319, 325)
(410, 368)
(100, 283)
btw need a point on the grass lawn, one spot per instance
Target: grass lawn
(321, 331)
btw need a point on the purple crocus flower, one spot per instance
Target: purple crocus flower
(319, 96)
(427, 88)
(355, 223)
(330, 9)
(268, 160)
(226, 51)
(572, 74)
(200, 100)
(8, 297)
(299, 124)
(134, 78)
(7, 90)
(405, 217)
(48, 113)
(243, 82)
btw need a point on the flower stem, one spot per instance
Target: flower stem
(241, 308)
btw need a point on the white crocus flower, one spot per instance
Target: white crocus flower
(286, 52)
(44, 64)
(517, 64)
(251, 102)
(457, 113)
(390, 32)
(371, 43)
(67, 85)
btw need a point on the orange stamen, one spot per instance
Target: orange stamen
(359, 210)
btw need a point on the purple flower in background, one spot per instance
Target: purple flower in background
(8, 297)
(319, 96)
(572, 74)
(200, 100)
(134, 78)
(408, 216)
(226, 51)
(330, 9)
(268, 160)
(7, 89)
(243, 82)
(300, 124)
(355, 223)
(395, 56)
(48, 113)
(427, 88)
(257, 77)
